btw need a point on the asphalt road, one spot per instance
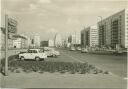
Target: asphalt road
(115, 64)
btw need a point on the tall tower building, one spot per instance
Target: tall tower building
(89, 36)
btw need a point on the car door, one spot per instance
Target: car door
(28, 54)
(34, 54)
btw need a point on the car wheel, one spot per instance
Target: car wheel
(37, 58)
(21, 58)
(42, 59)
(54, 55)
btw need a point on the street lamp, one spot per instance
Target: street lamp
(6, 45)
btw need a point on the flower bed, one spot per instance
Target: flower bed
(47, 66)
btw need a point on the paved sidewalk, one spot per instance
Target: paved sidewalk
(56, 80)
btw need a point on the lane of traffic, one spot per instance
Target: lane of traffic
(114, 64)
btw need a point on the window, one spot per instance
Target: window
(29, 51)
(34, 51)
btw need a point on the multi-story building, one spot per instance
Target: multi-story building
(44, 44)
(36, 40)
(89, 36)
(74, 39)
(50, 43)
(2, 38)
(113, 31)
(27, 40)
(65, 42)
(19, 42)
(57, 40)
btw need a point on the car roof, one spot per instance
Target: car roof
(33, 49)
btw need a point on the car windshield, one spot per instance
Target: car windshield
(32, 51)
(41, 50)
(29, 51)
(47, 49)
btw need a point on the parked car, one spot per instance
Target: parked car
(35, 54)
(51, 52)
(78, 48)
(72, 49)
(84, 50)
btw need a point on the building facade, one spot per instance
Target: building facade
(113, 31)
(50, 43)
(37, 40)
(19, 42)
(75, 39)
(2, 38)
(58, 40)
(89, 36)
(34, 41)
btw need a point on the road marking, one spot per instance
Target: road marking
(66, 54)
(74, 58)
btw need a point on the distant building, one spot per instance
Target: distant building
(10, 43)
(113, 31)
(27, 40)
(12, 30)
(19, 42)
(74, 39)
(44, 44)
(57, 40)
(64, 42)
(89, 36)
(2, 38)
(50, 43)
(36, 40)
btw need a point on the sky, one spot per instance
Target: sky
(48, 17)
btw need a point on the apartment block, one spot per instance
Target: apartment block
(89, 36)
(19, 41)
(2, 38)
(113, 31)
(75, 38)
(57, 40)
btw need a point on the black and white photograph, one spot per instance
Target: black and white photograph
(80, 44)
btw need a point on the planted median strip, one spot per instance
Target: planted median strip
(52, 67)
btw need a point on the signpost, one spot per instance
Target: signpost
(6, 45)
(10, 30)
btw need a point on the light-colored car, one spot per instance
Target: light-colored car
(72, 49)
(84, 50)
(78, 48)
(51, 52)
(35, 54)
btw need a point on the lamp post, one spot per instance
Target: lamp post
(6, 45)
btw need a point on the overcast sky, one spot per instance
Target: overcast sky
(48, 17)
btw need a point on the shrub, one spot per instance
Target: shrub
(47, 66)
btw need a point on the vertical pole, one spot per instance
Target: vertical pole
(100, 42)
(6, 45)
